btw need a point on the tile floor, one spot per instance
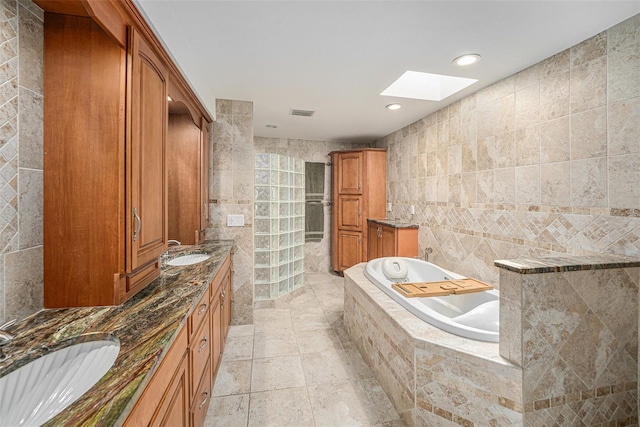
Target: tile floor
(297, 366)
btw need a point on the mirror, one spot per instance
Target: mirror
(184, 175)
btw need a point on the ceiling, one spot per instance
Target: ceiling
(336, 57)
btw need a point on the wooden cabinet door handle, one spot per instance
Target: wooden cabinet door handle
(203, 344)
(139, 226)
(206, 396)
(203, 308)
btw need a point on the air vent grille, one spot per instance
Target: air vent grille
(302, 113)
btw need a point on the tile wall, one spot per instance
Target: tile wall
(21, 158)
(317, 255)
(544, 162)
(231, 192)
(575, 335)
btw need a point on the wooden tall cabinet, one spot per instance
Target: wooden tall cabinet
(359, 192)
(106, 81)
(105, 114)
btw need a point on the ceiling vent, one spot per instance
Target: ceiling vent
(302, 113)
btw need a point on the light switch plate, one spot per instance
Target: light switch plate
(236, 220)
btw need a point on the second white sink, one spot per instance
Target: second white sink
(188, 259)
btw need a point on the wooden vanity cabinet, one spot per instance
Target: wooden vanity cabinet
(165, 400)
(388, 241)
(358, 191)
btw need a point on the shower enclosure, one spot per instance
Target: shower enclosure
(279, 225)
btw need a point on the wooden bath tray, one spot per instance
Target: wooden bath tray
(443, 288)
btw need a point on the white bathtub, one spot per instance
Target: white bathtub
(474, 315)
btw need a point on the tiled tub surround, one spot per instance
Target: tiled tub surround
(146, 326)
(433, 378)
(568, 358)
(571, 323)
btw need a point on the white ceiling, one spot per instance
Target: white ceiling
(335, 57)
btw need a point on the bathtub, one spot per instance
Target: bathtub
(474, 315)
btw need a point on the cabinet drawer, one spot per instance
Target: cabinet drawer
(199, 353)
(202, 399)
(198, 316)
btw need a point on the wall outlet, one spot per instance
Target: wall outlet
(236, 220)
(412, 210)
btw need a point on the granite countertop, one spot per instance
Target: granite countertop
(566, 263)
(145, 326)
(393, 223)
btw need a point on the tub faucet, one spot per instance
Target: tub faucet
(427, 251)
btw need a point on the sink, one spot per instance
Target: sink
(188, 259)
(38, 391)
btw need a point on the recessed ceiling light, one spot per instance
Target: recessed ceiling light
(469, 59)
(426, 86)
(271, 126)
(393, 107)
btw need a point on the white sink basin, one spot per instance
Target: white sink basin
(38, 391)
(188, 259)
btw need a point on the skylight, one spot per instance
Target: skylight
(426, 86)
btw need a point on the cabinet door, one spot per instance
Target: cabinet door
(146, 170)
(349, 249)
(350, 173)
(174, 409)
(350, 213)
(373, 242)
(204, 178)
(225, 307)
(216, 335)
(388, 242)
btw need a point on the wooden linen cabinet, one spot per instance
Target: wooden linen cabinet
(358, 192)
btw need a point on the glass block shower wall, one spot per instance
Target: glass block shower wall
(279, 225)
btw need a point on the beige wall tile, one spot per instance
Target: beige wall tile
(527, 185)
(623, 127)
(555, 184)
(30, 204)
(555, 141)
(31, 50)
(624, 179)
(623, 60)
(527, 150)
(554, 97)
(527, 107)
(31, 112)
(589, 134)
(589, 85)
(23, 276)
(504, 186)
(589, 182)
(589, 50)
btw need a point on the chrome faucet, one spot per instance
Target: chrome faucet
(5, 337)
(173, 242)
(427, 251)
